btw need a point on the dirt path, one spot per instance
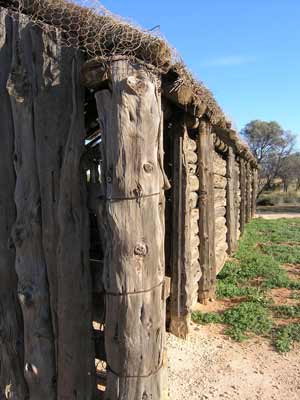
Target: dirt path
(267, 215)
(211, 366)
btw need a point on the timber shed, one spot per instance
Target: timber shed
(123, 188)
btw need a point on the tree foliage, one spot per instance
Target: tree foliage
(271, 145)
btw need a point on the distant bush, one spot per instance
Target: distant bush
(265, 202)
(278, 198)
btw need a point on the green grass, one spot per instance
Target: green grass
(249, 276)
(286, 311)
(284, 337)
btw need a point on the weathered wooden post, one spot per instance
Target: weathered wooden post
(51, 227)
(12, 380)
(248, 192)
(206, 212)
(30, 261)
(131, 122)
(230, 206)
(243, 195)
(185, 235)
(254, 190)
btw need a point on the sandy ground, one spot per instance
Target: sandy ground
(212, 366)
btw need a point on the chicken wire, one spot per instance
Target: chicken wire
(88, 25)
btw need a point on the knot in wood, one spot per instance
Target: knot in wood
(136, 86)
(148, 167)
(145, 396)
(141, 250)
(26, 297)
(31, 369)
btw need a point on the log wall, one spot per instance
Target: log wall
(48, 348)
(42, 116)
(186, 270)
(220, 204)
(237, 198)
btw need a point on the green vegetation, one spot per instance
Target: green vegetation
(285, 335)
(256, 268)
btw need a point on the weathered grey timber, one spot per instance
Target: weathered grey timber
(130, 118)
(249, 192)
(206, 212)
(237, 196)
(76, 353)
(186, 269)
(243, 195)
(220, 206)
(30, 265)
(180, 235)
(11, 332)
(50, 231)
(254, 191)
(230, 207)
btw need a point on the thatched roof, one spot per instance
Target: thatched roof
(101, 34)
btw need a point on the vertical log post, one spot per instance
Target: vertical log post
(243, 195)
(248, 192)
(230, 203)
(51, 228)
(76, 352)
(206, 213)
(180, 236)
(11, 325)
(33, 290)
(254, 191)
(130, 118)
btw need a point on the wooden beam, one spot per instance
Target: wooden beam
(230, 204)
(243, 195)
(254, 190)
(131, 121)
(248, 192)
(181, 255)
(12, 380)
(206, 213)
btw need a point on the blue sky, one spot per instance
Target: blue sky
(246, 52)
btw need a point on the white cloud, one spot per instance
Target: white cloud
(228, 61)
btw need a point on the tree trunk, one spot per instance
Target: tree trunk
(11, 330)
(131, 118)
(206, 213)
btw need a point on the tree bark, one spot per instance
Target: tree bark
(131, 118)
(11, 331)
